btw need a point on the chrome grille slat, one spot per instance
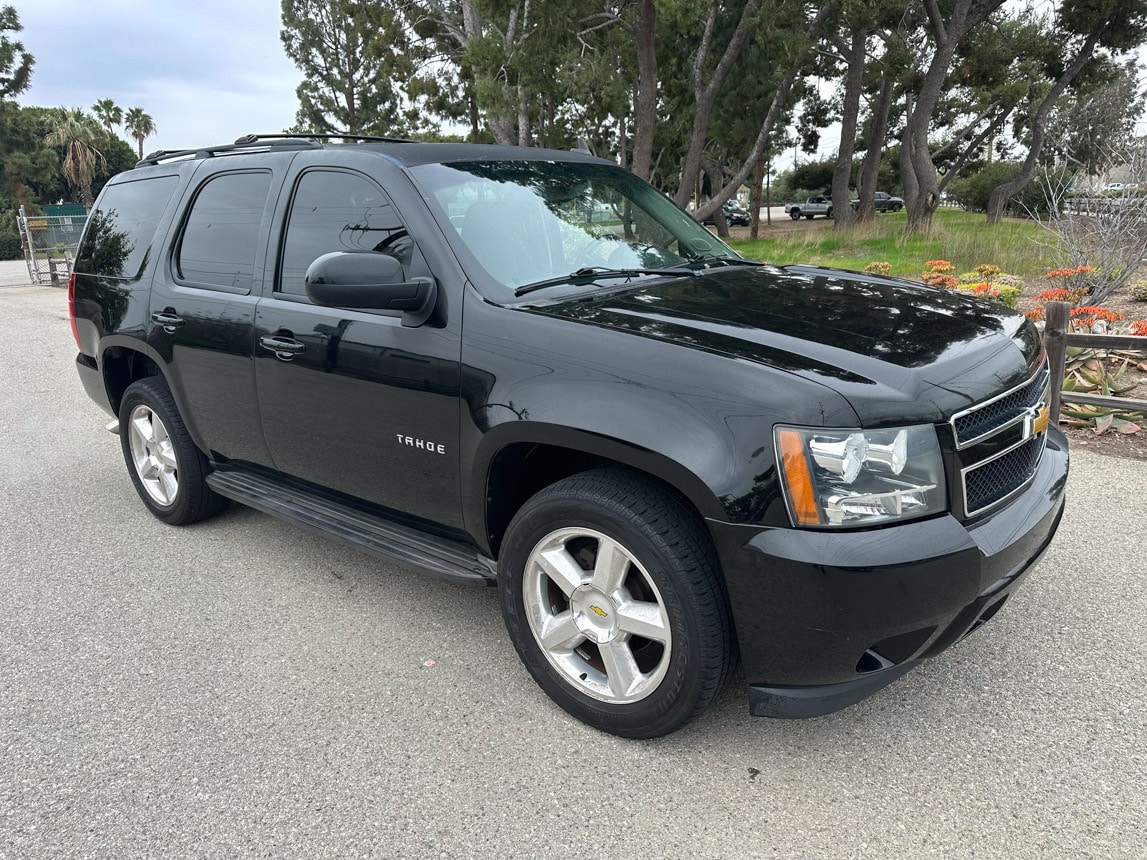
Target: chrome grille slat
(986, 418)
(990, 481)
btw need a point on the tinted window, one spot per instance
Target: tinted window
(119, 233)
(218, 246)
(334, 211)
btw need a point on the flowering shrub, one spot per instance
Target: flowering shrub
(1076, 281)
(939, 266)
(1005, 295)
(1086, 315)
(1139, 291)
(1139, 327)
(879, 268)
(1057, 295)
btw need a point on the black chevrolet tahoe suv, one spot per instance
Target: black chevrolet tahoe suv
(527, 368)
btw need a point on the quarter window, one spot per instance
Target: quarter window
(119, 234)
(222, 231)
(336, 211)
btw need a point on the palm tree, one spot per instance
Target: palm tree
(108, 113)
(78, 134)
(139, 125)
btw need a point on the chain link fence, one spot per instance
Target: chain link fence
(50, 243)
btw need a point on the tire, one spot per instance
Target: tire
(895, 207)
(795, 214)
(553, 581)
(810, 217)
(828, 214)
(167, 469)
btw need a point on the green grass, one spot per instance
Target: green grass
(963, 238)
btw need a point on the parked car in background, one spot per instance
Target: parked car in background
(884, 202)
(810, 208)
(736, 215)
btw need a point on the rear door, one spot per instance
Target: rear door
(352, 400)
(202, 311)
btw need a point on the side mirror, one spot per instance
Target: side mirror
(372, 281)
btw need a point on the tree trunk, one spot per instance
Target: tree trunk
(842, 175)
(1001, 193)
(755, 199)
(705, 94)
(870, 167)
(779, 98)
(645, 108)
(523, 117)
(946, 35)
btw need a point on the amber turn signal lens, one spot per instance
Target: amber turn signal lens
(798, 479)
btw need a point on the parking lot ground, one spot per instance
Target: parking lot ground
(241, 688)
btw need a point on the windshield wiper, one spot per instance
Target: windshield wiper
(591, 274)
(722, 261)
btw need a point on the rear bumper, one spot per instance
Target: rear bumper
(93, 381)
(826, 619)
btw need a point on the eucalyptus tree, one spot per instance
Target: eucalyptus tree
(139, 125)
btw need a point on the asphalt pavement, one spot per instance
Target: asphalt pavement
(241, 688)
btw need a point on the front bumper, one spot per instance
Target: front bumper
(825, 619)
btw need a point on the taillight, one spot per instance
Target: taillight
(72, 309)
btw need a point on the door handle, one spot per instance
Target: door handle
(168, 320)
(283, 347)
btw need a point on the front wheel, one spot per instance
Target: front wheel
(167, 469)
(795, 214)
(611, 594)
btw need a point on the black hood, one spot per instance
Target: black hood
(893, 348)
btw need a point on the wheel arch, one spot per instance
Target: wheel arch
(122, 362)
(511, 467)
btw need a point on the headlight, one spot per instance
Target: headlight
(860, 477)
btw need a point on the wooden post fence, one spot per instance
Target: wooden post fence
(1058, 337)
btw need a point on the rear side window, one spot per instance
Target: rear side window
(222, 231)
(120, 232)
(334, 211)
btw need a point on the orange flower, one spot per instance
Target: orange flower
(1056, 295)
(1139, 327)
(939, 266)
(1094, 312)
(1035, 314)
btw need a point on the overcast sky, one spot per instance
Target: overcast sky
(207, 71)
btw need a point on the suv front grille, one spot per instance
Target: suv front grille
(994, 480)
(996, 475)
(974, 424)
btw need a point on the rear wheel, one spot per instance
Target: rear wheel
(828, 214)
(809, 216)
(611, 594)
(167, 469)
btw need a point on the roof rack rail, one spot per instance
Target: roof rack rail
(259, 141)
(253, 138)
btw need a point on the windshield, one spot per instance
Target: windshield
(523, 222)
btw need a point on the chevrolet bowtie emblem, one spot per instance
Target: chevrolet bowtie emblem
(1041, 420)
(599, 611)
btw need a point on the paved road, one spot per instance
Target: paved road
(241, 689)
